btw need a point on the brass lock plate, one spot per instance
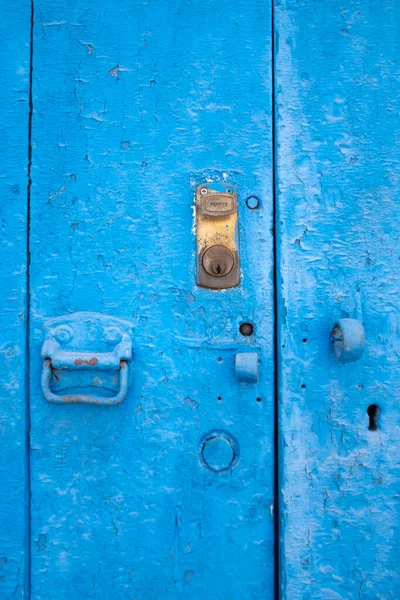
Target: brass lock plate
(217, 236)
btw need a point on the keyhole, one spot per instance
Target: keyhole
(218, 268)
(373, 411)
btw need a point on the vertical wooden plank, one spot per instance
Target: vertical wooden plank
(135, 103)
(338, 176)
(14, 119)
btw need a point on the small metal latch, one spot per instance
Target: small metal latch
(217, 237)
(246, 367)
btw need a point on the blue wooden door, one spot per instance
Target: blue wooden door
(14, 150)
(169, 492)
(337, 180)
(162, 438)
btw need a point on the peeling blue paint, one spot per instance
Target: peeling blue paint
(14, 125)
(170, 492)
(134, 106)
(337, 104)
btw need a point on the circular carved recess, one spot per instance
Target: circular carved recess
(219, 451)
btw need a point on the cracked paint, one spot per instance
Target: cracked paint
(141, 105)
(14, 184)
(338, 172)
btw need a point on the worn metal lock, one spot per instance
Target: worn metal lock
(217, 236)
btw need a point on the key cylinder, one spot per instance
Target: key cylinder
(217, 236)
(218, 261)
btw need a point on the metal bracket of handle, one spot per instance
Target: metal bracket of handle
(86, 351)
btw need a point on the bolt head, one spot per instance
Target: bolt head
(252, 202)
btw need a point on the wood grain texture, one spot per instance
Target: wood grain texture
(135, 104)
(338, 175)
(14, 118)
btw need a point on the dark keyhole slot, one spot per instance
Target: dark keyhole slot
(373, 413)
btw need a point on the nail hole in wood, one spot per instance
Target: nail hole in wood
(246, 329)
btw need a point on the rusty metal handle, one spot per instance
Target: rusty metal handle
(81, 398)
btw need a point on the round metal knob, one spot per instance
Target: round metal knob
(218, 261)
(348, 338)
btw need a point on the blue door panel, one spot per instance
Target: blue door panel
(337, 105)
(170, 492)
(14, 126)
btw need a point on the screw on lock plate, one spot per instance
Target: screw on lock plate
(216, 220)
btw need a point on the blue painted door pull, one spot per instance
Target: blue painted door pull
(85, 350)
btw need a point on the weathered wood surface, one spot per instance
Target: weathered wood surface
(135, 103)
(338, 178)
(14, 117)
(123, 504)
